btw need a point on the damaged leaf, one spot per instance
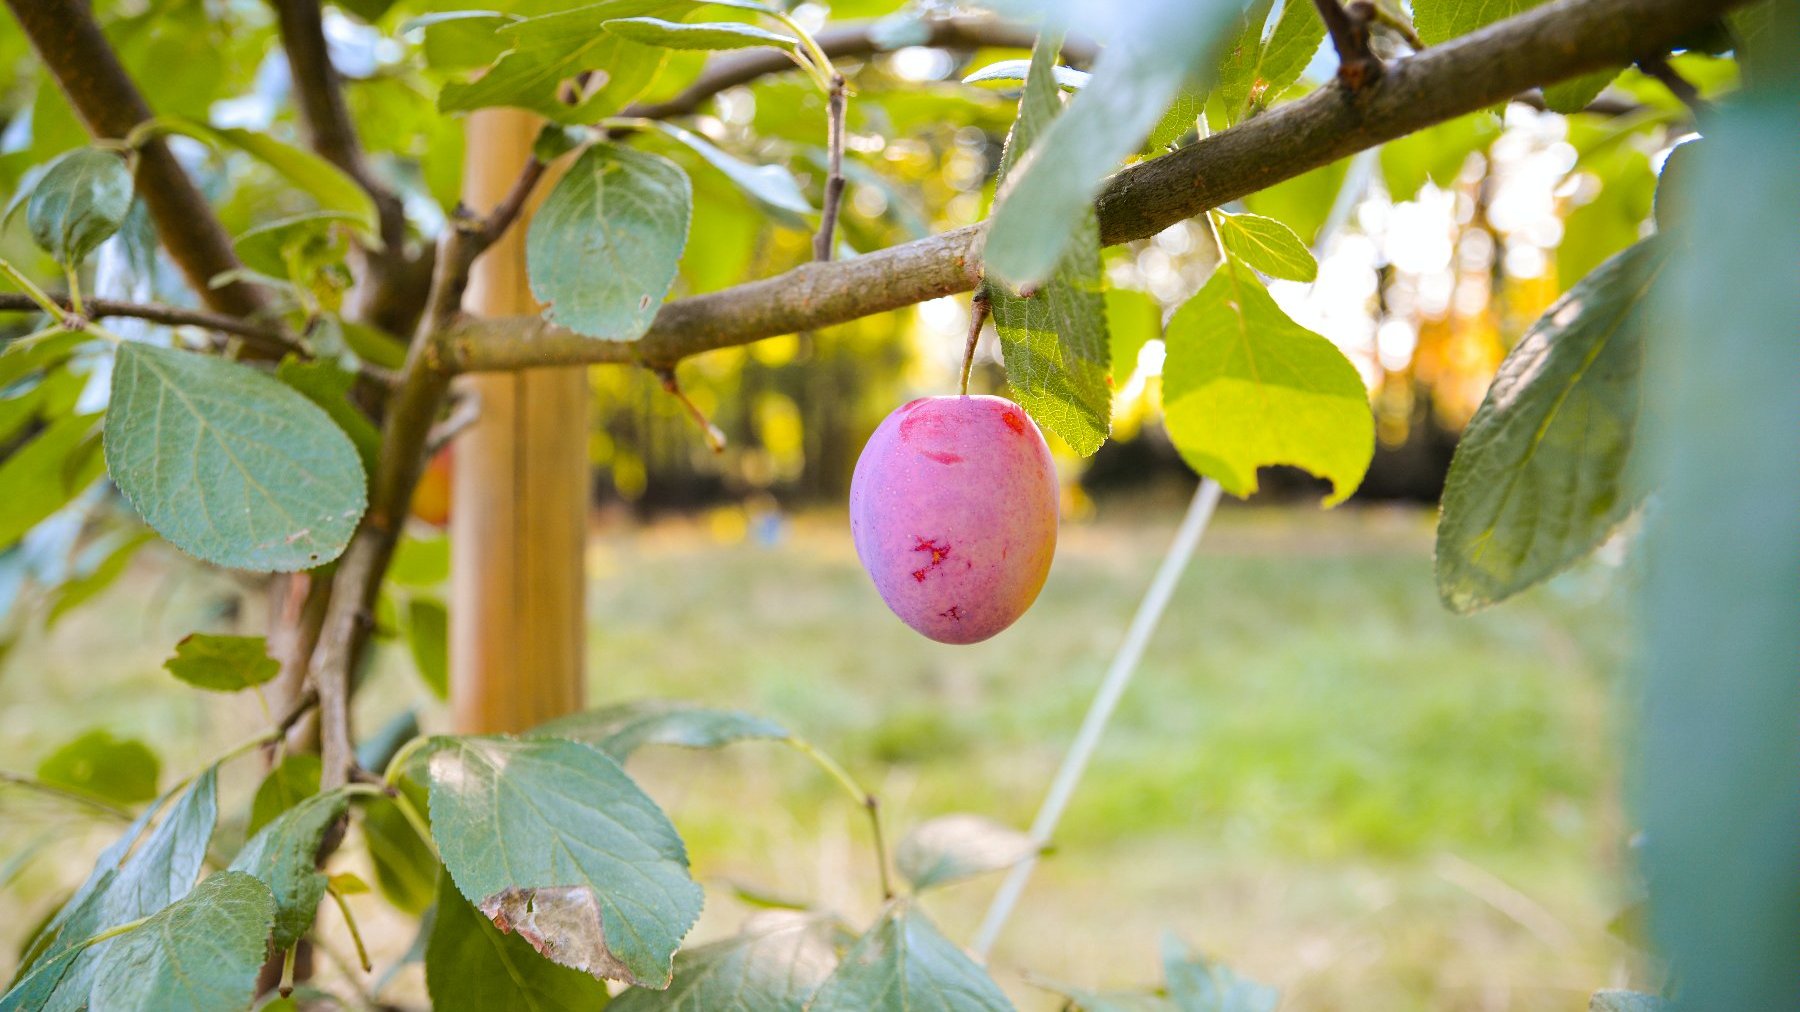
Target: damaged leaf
(551, 840)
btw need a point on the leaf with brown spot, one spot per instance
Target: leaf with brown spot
(553, 841)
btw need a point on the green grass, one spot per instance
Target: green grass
(1319, 776)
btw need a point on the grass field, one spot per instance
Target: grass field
(1320, 776)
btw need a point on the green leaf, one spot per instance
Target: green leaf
(428, 636)
(1573, 95)
(1133, 319)
(603, 248)
(954, 847)
(284, 855)
(406, 871)
(37, 983)
(45, 473)
(472, 966)
(229, 464)
(1303, 201)
(1266, 245)
(1542, 474)
(292, 781)
(1439, 21)
(161, 870)
(222, 663)
(329, 386)
(548, 50)
(623, 728)
(460, 40)
(1197, 985)
(1055, 342)
(706, 35)
(1040, 210)
(1246, 387)
(120, 770)
(80, 201)
(327, 184)
(551, 839)
(772, 187)
(1256, 72)
(1067, 78)
(200, 954)
(420, 561)
(773, 965)
(1625, 1001)
(903, 964)
(295, 248)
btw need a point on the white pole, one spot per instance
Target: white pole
(1100, 711)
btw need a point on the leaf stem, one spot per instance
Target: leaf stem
(74, 289)
(286, 987)
(362, 953)
(835, 106)
(396, 767)
(32, 783)
(868, 802)
(33, 292)
(715, 437)
(112, 932)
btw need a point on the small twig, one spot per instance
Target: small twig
(1664, 72)
(864, 798)
(824, 242)
(978, 314)
(302, 706)
(715, 437)
(32, 783)
(508, 210)
(1358, 66)
(286, 987)
(464, 412)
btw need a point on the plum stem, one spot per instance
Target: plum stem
(978, 314)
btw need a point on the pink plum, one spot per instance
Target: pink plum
(953, 511)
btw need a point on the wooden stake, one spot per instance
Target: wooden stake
(519, 490)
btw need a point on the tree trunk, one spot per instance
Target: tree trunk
(519, 491)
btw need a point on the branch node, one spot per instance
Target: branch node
(1358, 66)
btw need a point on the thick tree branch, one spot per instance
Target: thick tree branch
(78, 56)
(848, 41)
(1547, 44)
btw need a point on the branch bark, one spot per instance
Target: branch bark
(78, 56)
(1547, 44)
(266, 337)
(849, 41)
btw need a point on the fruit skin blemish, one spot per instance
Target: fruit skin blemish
(953, 508)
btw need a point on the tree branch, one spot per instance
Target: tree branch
(78, 56)
(848, 41)
(266, 337)
(1545, 45)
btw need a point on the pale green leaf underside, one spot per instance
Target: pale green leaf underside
(954, 847)
(603, 249)
(201, 955)
(622, 729)
(904, 964)
(553, 839)
(1038, 213)
(706, 35)
(773, 965)
(228, 464)
(80, 201)
(1067, 78)
(1196, 984)
(1267, 245)
(1055, 343)
(1541, 474)
(772, 186)
(1246, 387)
